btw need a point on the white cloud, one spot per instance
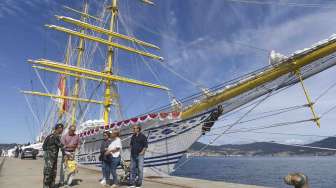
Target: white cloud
(14, 7)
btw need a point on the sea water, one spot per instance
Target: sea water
(264, 171)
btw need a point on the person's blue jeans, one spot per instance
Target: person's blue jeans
(113, 169)
(106, 170)
(137, 165)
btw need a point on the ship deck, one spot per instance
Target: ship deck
(16, 173)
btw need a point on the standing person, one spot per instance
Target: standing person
(70, 140)
(114, 151)
(138, 147)
(51, 145)
(103, 158)
(16, 152)
(20, 151)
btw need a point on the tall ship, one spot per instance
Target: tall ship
(87, 88)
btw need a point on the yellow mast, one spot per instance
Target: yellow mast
(109, 64)
(107, 76)
(78, 64)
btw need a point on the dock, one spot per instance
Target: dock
(16, 173)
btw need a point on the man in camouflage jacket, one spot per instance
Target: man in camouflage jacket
(52, 144)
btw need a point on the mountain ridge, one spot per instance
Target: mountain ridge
(267, 149)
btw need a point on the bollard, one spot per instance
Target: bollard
(298, 180)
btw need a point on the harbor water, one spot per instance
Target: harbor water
(263, 171)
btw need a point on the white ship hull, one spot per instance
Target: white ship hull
(167, 143)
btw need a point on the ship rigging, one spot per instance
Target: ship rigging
(174, 128)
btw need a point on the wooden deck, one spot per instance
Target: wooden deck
(16, 173)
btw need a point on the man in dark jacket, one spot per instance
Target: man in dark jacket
(105, 163)
(138, 147)
(52, 144)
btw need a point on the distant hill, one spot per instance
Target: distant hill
(325, 143)
(267, 149)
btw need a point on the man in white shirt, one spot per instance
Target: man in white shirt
(114, 151)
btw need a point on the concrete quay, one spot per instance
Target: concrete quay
(16, 173)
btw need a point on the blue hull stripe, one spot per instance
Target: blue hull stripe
(148, 158)
(161, 164)
(146, 162)
(160, 160)
(171, 154)
(146, 165)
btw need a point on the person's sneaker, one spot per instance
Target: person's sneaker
(60, 184)
(131, 186)
(114, 186)
(103, 182)
(138, 186)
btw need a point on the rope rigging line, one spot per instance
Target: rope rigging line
(30, 127)
(129, 32)
(196, 84)
(225, 131)
(223, 118)
(282, 3)
(281, 111)
(41, 81)
(267, 127)
(292, 134)
(328, 111)
(32, 111)
(236, 122)
(221, 86)
(87, 60)
(165, 65)
(35, 102)
(257, 100)
(325, 92)
(82, 113)
(287, 84)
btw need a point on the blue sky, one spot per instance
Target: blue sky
(208, 42)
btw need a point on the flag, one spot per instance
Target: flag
(61, 91)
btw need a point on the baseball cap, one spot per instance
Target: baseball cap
(59, 125)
